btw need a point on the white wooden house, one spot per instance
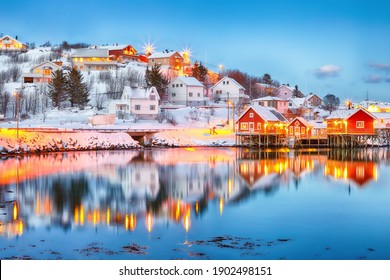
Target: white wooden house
(8, 43)
(138, 102)
(186, 91)
(229, 90)
(41, 73)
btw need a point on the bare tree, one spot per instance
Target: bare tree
(5, 99)
(100, 98)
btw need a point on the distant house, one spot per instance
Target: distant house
(284, 92)
(138, 102)
(93, 59)
(298, 107)
(7, 43)
(186, 91)
(281, 105)
(121, 52)
(229, 90)
(353, 121)
(171, 60)
(313, 100)
(41, 73)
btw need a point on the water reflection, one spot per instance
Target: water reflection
(121, 188)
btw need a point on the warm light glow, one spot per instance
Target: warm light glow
(108, 216)
(148, 48)
(187, 220)
(230, 186)
(15, 212)
(149, 222)
(197, 207)
(76, 215)
(177, 213)
(221, 205)
(82, 215)
(21, 227)
(186, 55)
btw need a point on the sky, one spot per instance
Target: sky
(325, 47)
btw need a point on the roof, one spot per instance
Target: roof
(90, 53)
(346, 114)
(139, 93)
(311, 95)
(12, 38)
(188, 81)
(162, 55)
(302, 120)
(266, 113)
(114, 47)
(298, 101)
(269, 98)
(229, 79)
(51, 64)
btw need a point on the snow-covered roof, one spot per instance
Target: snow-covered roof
(114, 47)
(227, 78)
(287, 87)
(268, 98)
(162, 54)
(381, 115)
(266, 113)
(90, 53)
(139, 93)
(188, 81)
(311, 95)
(317, 124)
(345, 114)
(48, 63)
(298, 101)
(11, 38)
(302, 120)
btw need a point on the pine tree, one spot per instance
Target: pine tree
(58, 88)
(154, 77)
(199, 72)
(297, 92)
(77, 89)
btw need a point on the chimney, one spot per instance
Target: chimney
(16, 37)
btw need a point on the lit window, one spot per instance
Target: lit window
(244, 126)
(360, 124)
(302, 130)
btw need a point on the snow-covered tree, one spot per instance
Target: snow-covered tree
(77, 89)
(58, 88)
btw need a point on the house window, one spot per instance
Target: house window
(190, 94)
(302, 130)
(244, 126)
(181, 85)
(173, 85)
(258, 126)
(359, 124)
(251, 115)
(227, 82)
(198, 94)
(137, 107)
(251, 126)
(223, 82)
(173, 94)
(291, 129)
(152, 107)
(152, 97)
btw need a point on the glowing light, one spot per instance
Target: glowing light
(82, 215)
(21, 227)
(197, 207)
(186, 55)
(15, 212)
(149, 222)
(177, 210)
(187, 220)
(230, 185)
(148, 48)
(108, 216)
(221, 206)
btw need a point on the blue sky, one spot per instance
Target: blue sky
(334, 46)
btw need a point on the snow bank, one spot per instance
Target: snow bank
(191, 138)
(53, 141)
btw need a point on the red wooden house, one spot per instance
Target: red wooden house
(351, 122)
(120, 52)
(258, 121)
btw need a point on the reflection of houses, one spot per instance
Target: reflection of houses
(261, 126)
(358, 172)
(138, 102)
(41, 73)
(7, 43)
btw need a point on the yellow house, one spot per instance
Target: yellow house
(10, 44)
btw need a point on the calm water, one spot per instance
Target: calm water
(208, 203)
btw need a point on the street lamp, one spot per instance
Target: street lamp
(222, 69)
(17, 96)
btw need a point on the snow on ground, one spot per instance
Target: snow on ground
(12, 142)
